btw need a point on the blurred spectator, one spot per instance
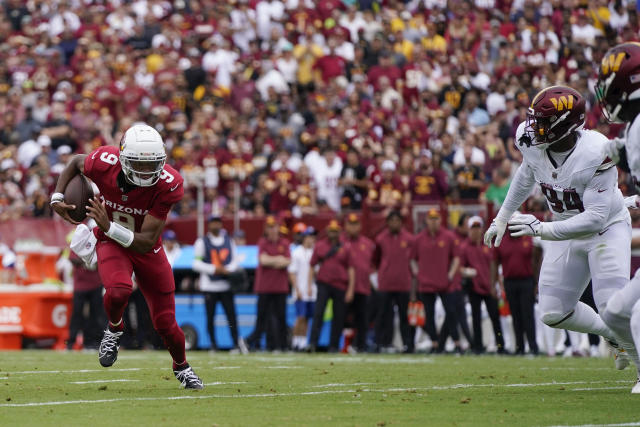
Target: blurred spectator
(87, 290)
(361, 251)
(517, 259)
(392, 256)
(438, 262)
(476, 261)
(271, 285)
(334, 281)
(305, 291)
(353, 182)
(216, 260)
(428, 183)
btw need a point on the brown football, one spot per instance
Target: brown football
(78, 193)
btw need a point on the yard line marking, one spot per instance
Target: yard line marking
(225, 383)
(338, 385)
(102, 381)
(598, 388)
(283, 367)
(79, 371)
(634, 423)
(304, 393)
(4, 378)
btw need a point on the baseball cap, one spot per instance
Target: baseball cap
(475, 220)
(309, 231)
(169, 235)
(270, 221)
(394, 213)
(63, 149)
(299, 227)
(283, 229)
(333, 225)
(425, 152)
(214, 217)
(433, 213)
(59, 97)
(388, 165)
(353, 218)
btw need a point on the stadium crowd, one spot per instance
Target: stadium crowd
(308, 106)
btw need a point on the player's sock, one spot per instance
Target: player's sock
(180, 366)
(116, 327)
(303, 341)
(585, 319)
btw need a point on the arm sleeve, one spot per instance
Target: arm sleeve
(597, 204)
(198, 264)
(519, 191)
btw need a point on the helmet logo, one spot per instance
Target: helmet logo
(562, 102)
(612, 63)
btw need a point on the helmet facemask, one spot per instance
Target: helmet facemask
(605, 94)
(543, 130)
(143, 171)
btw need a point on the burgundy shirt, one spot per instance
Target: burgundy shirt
(434, 255)
(478, 256)
(361, 259)
(515, 255)
(393, 257)
(272, 280)
(459, 241)
(333, 270)
(83, 278)
(432, 187)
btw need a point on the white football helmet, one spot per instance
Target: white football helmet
(142, 155)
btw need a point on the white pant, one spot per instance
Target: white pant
(604, 257)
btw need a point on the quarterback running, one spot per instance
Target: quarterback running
(618, 91)
(590, 229)
(137, 191)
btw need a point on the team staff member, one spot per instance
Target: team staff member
(215, 259)
(516, 258)
(334, 281)
(361, 251)
(393, 254)
(272, 285)
(437, 265)
(477, 262)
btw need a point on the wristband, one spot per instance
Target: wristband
(123, 236)
(56, 198)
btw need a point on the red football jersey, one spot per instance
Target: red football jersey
(102, 166)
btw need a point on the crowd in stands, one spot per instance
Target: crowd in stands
(307, 106)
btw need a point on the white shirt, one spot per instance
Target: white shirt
(326, 179)
(222, 62)
(300, 265)
(205, 268)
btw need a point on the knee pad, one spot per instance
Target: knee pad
(614, 308)
(117, 296)
(553, 318)
(164, 322)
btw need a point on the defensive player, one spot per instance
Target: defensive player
(618, 91)
(137, 190)
(590, 227)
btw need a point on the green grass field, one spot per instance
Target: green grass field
(54, 388)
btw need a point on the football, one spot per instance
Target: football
(78, 193)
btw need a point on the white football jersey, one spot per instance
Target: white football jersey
(564, 185)
(632, 144)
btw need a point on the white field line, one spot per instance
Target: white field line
(282, 367)
(598, 388)
(78, 371)
(338, 385)
(102, 381)
(634, 423)
(225, 383)
(305, 393)
(226, 367)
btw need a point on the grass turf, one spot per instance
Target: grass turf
(54, 388)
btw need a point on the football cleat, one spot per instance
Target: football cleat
(620, 356)
(108, 351)
(636, 388)
(188, 379)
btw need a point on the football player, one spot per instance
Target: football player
(137, 191)
(589, 232)
(618, 91)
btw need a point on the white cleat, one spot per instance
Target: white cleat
(620, 356)
(636, 388)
